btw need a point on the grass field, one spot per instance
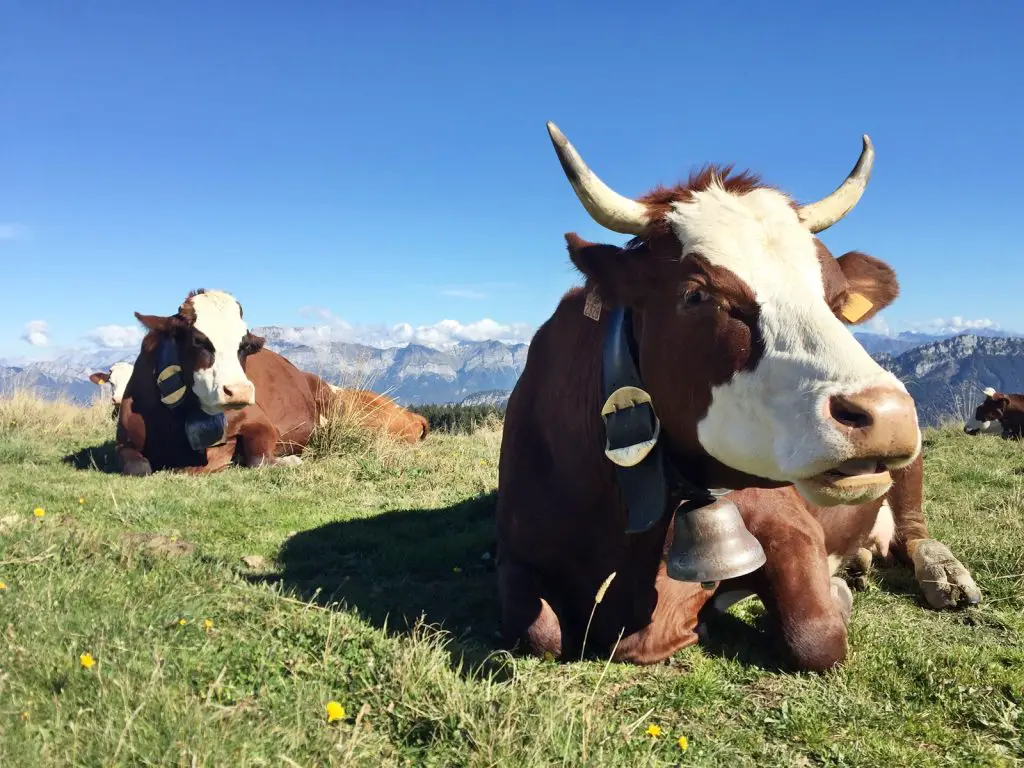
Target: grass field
(203, 659)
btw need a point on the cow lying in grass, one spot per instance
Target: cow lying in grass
(204, 391)
(999, 414)
(736, 331)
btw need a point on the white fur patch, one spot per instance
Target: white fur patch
(883, 532)
(835, 562)
(771, 421)
(984, 427)
(219, 318)
(118, 378)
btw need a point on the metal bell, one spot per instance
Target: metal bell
(711, 544)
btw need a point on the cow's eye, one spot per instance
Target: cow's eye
(694, 297)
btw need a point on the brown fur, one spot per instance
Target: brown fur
(379, 412)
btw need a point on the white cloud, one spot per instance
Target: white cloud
(37, 333)
(955, 324)
(440, 335)
(116, 336)
(10, 230)
(876, 324)
(318, 312)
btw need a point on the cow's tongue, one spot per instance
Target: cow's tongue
(855, 467)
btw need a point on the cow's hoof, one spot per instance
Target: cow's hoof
(944, 580)
(289, 461)
(137, 468)
(843, 596)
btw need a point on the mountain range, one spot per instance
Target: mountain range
(945, 373)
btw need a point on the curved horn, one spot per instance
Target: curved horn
(606, 206)
(823, 214)
(988, 391)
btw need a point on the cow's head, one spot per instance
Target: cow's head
(213, 342)
(117, 378)
(987, 415)
(740, 315)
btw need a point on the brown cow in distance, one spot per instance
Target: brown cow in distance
(738, 317)
(999, 414)
(205, 390)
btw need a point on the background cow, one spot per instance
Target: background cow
(116, 378)
(269, 407)
(738, 330)
(999, 414)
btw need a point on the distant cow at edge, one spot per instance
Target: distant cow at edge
(999, 414)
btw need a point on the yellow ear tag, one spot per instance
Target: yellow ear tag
(857, 305)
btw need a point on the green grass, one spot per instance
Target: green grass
(359, 546)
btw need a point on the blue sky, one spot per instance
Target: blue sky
(326, 162)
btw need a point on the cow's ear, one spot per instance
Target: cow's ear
(155, 322)
(1002, 401)
(99, 378)
(621, 275)
(871, 286)
(251, 344)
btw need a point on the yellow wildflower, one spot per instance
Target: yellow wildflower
(24, 715)
(207, 624)
(335, 711)
(87, 661)
(81, 500)
(182, 622)
(653, 730)
(683, 743)
(2, 586)
(38, 511)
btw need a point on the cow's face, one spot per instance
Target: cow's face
(987, 415)
(116, 378)
(741, 314)
(213, 343)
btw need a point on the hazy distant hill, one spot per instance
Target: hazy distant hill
(945, 374)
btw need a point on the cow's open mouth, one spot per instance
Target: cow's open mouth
(856, 473)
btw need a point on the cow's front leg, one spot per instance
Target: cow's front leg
(810, 608)
(527, 619)
(259, 444)
(944, 580)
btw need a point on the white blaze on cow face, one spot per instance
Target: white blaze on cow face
(773, 421)
(120, 373)
(223, 384)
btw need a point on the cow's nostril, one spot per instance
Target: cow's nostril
(228, 392)
(848, 413)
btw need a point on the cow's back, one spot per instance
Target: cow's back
(284, 395)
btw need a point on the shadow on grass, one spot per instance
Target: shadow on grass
(393, 568)
(97, 457)
(396, 567)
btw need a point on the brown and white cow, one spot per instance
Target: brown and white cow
(269, 407)
(999, 414)
(116, 378)
(738, 323)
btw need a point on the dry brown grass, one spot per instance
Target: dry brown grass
(24, 411)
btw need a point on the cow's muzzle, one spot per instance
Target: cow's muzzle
(240, 395)
(882, 434)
